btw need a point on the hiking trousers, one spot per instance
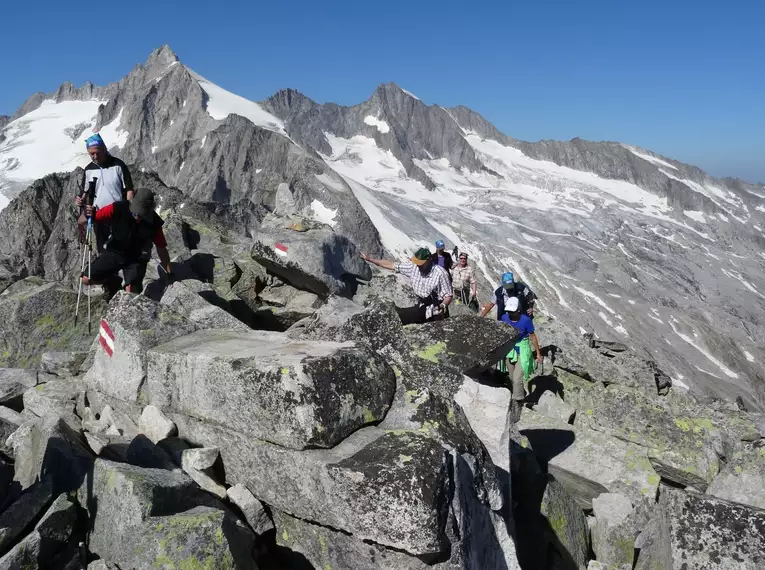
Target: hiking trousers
(516, 375)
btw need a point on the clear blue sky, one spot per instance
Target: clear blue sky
(683, 78)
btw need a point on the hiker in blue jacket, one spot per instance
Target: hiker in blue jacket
(520, 363)
(508, 289)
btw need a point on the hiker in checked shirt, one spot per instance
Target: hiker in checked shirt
(430, 283)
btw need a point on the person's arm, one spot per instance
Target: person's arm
(535, 344)
(164, 256)
(446, 289)
(127, 182)
(384, 263)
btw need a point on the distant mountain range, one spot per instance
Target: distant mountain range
(615, 239)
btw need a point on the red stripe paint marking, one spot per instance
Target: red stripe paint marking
(105, 346)
(281, 246)
(106, 328)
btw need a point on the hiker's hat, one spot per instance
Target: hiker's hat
(508, 279)
(143, 203)
(440, 244)
(513, 304)
(94, 140)
(421, 256)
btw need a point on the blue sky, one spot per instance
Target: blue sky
(686, 79)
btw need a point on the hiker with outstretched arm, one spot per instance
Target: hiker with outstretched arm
(134, 226)
(464, 282)
(510, 288)
(520, 363)
(113, 183)
(442, 258)
(430, 282)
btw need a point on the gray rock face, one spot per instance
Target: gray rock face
(696, 531)
(315, 258)
(155, 425)
(467, 343)
(742, 480)
(14, 520)
(179, 298)
(138, 324)
(57, 398)
(45, 312)
(588, 462)
(291, 393)
(252, 509)
(62, 363)
(615, 530)
(553, 406)
(13, 383)
(49, 537)
(566, 521)
(49, 447)
(682, 448)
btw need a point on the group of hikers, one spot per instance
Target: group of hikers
(126, 226)
(436, 281)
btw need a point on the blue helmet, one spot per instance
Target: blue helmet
(508, 278)
(440, 244)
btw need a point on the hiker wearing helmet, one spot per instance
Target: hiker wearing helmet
(519, 362)
(464, 282)
(442, 258)
(113, 183)
(430, 282)
(510, 288)
(134, 227)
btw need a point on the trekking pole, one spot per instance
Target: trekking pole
(90, 249)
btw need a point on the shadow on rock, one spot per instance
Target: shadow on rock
(541, 384)
(547, 443)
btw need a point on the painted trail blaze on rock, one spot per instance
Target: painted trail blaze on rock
(106, 338)
(281, 249)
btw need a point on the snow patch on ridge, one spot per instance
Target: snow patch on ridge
(113, 134)
(323, 214)
(649, 158)
(382, 126)
(222, 103)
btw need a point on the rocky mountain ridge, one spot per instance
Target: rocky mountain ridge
(615, 240)
(264, 411)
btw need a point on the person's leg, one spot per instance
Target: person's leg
(134, 273)
(102, 232)
(102, 268)
(517, 375)
(411, 315)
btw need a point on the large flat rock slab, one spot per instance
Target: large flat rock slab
(265, 385)
(466, 342)
(589, 462)
(682, 445)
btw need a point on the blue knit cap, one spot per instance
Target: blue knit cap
(94, 140)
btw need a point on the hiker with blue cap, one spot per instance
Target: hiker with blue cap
(511, 288)
(112, 183)
(520, 363)
(442, 258)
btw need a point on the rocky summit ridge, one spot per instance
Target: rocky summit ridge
(267, 409)
(261, 412)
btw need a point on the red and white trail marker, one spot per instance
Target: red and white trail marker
(281, 249)
(106, 338)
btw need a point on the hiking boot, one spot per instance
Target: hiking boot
(111, 287)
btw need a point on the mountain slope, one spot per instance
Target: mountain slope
(210, 143)
(615, 239)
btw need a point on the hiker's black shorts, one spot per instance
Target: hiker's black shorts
(109, 263)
